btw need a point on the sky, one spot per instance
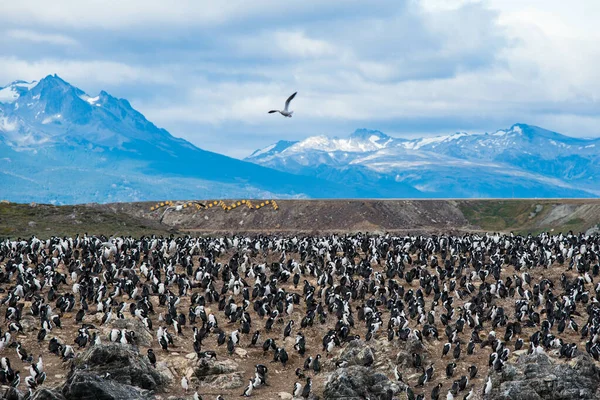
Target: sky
(209, 71)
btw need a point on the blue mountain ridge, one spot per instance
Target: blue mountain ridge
(522, 161)
(59, 145)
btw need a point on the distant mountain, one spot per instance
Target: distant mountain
(522, 161)
(61, 145)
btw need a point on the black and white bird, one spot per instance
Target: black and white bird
(487, 389)
(152, 357)
(307, 388)
(297, 392)
(248, 390)
(285, 112)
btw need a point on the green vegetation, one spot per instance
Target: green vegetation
(43, 220)
(519, 216)
(499, 215)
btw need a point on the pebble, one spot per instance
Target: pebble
(190, 356)
(240, 352)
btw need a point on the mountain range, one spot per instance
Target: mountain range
(60, 145)
(522, 161)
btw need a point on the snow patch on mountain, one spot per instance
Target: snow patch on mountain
(536, 161)
(8, 95)
(417, 144)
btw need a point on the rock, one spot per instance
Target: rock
(80, 384)
(163, 369)
(241, 352)
(47, 394)
(143, 337)
(285, 396)
(536, 377)
(128, 372)
(191, 356)
(29, 323)
(404, 356)
(10, 393)
(357, 353)
(206, 367)
(217, 374)
(228, 381)
(357, 382)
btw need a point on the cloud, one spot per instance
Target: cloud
(210, 71)
(82, 73)
(36, 37)
(146, 14)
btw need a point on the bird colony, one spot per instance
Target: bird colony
(442, 314)
(179, 206)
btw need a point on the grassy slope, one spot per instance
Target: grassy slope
(23, 220)
(518, 216)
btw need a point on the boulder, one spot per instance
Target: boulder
(123, 363)
(84, 385)
(536, 377)
(357, 382)
(219, 374)
(29, 323)
(163, 368)
(404, 356)
(357, 353)
(143, 337)
(112, 371)
(10, 393)
(47, 394)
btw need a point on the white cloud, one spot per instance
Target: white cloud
(298, 44)
(82, 73)
(225, 65)
(151, 14)
(36, 37)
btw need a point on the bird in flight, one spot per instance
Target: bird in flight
(285, 111)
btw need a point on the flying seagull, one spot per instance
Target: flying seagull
(285, 111)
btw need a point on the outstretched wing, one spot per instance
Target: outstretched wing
(287, 102)
(273, 111)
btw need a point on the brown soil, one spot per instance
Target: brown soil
(302, 217)
(282, 379)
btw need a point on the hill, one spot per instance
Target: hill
(302, 217)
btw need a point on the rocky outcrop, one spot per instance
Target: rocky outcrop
(404, 356)
(10, 393)
(537, 377)
(219, 374)
(356, 353)
(47, 394)
(82, 385)
(356, 382)
(143, 337)
(112, 371)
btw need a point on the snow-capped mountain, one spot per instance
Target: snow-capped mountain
(522, 161)
(59, 144)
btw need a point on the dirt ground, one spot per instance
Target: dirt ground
(282, 379)
(296, 217)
